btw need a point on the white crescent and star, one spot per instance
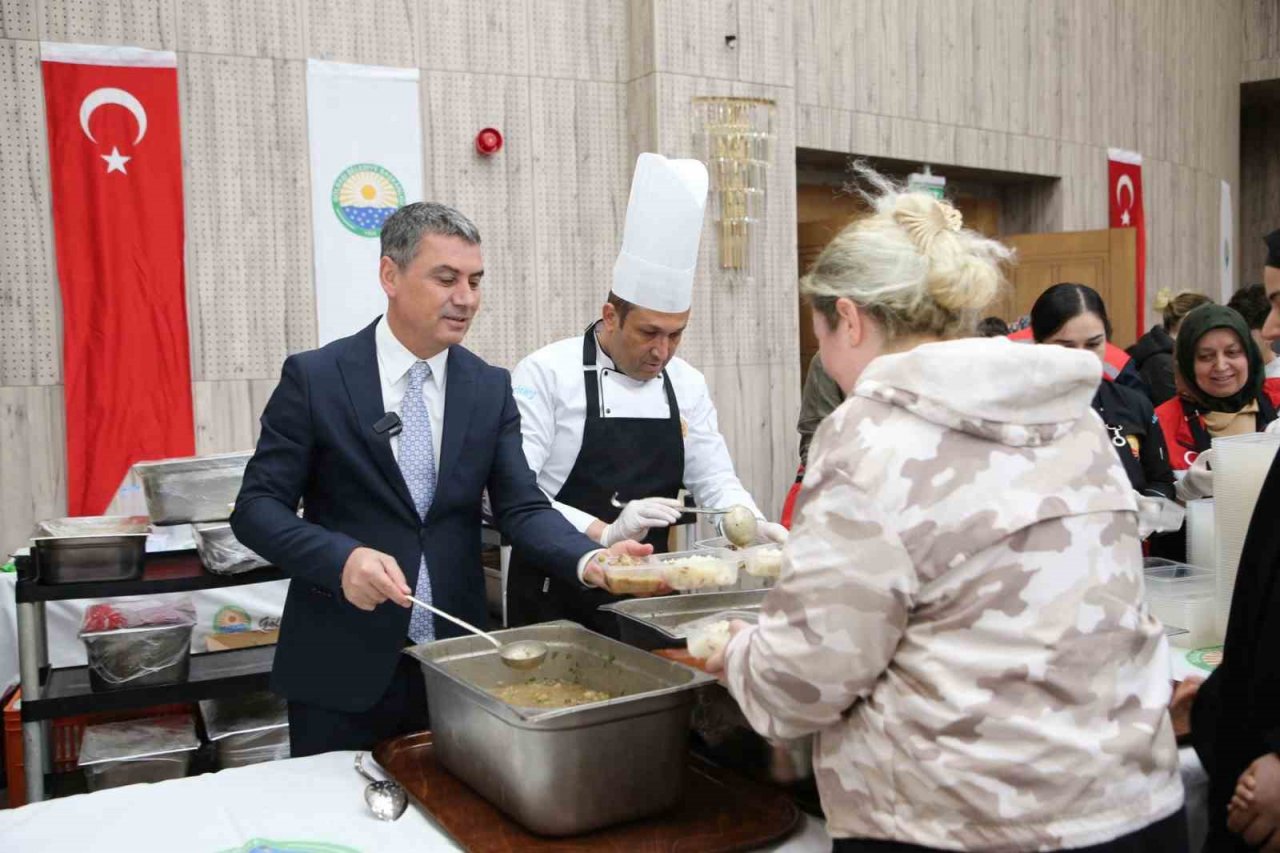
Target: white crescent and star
(1124, 183)
(108, 95)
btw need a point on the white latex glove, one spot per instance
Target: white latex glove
(1157, 515)
(638, 516)
(772, 531)
(1198, 481)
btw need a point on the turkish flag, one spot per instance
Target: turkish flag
(1124, 171)
(116, 171)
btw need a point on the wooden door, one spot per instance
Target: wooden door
(1104, 260)
(812, 238)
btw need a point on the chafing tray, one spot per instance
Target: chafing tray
(564, 771)
(655, 623)
(90, 548)
(149, 750)
(191, 489)
(247, 729)
(221, 552)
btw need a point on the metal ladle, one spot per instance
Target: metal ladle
(522, 654)
(385, 798)
(739, 523)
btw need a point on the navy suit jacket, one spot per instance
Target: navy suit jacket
(318, 445)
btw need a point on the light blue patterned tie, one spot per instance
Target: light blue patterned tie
(418, 465)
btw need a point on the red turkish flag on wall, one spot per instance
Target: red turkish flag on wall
(1124, 171)
(115, 160)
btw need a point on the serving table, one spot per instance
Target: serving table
(300, 805)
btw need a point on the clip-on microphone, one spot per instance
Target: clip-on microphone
(389, 425)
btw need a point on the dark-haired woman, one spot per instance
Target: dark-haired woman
(1074, 316)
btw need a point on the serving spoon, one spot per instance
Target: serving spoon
(739, 523)
(522, 654)
(385, 798)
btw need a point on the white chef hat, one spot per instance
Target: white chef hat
(659, 253)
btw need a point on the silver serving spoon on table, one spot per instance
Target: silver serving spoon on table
(739, 523)
(522, 654)
(386, 799)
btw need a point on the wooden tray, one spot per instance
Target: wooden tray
(719, 812)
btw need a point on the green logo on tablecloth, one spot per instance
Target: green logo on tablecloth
(1207, 658)
(262, 845)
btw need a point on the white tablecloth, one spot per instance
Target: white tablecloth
(317, 799)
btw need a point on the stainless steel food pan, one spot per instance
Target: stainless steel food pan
(221, 552)
(197, 488)
(116, 774)
(655, 623)
(572, 770)
(138, 657)
(90, 548)
(131, 751)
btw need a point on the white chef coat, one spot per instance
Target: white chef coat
(394, 361)
(552, 396)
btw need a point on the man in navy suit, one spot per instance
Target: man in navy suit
(389, 437)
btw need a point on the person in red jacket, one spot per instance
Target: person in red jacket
(1222, 387)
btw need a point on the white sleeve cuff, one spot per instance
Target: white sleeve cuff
(584, 560)
(579, 519)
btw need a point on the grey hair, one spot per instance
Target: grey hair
(403, 230)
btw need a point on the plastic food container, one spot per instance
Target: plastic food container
(722, 543)
(710, 634)
(220, 551)
(634, 575)
(679, 570)
(247, 729)
(761, 559)
(698, 569)
(148, 750)
(1183, 596)
(138, 643)
(90, 548)
(191, 489)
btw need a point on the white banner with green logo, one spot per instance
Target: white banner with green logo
(365, 128)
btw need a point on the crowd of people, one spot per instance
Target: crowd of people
(959, 617)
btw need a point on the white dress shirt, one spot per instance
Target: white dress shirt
(552, 396)
(394, 361)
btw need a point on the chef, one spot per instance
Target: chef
(613, 411)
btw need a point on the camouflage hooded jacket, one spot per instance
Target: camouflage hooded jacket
(959, 616)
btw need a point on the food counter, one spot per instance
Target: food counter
(302, 804)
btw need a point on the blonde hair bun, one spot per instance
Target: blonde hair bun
(911, 264)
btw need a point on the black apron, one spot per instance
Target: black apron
(635, 457)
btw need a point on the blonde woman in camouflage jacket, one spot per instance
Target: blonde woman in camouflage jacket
(960, 618)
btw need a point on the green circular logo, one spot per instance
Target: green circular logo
(1207, 658)
(363, 196)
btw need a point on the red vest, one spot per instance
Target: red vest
(1113, 362)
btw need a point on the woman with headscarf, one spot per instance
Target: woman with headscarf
(1223, 391)
(959, 617)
